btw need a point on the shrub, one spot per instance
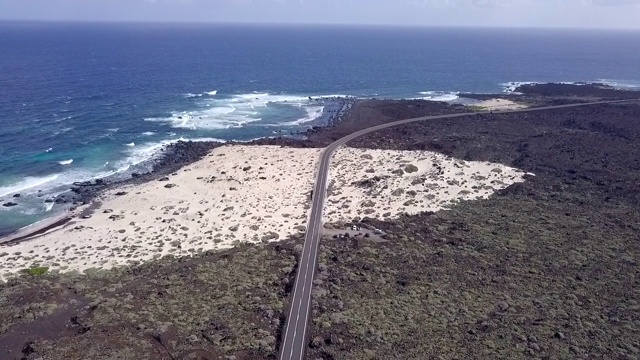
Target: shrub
(36, 270)
(410, 168)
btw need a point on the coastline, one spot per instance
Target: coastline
(172, 158)
(211, 196)
(177, 156)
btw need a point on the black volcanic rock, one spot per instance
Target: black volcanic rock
(577, 90)
(9, 204)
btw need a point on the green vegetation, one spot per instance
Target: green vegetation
(215, 305)
(36, 270)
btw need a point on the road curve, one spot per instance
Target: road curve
(293, 343)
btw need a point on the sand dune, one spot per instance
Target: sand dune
(384, 184)
(251, 194)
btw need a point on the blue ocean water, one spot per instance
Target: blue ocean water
(80, 101)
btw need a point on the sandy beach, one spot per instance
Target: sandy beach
(499, 104)
(253, 194)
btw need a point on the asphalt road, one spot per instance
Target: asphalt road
(294, 340)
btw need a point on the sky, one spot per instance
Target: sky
(624, 14)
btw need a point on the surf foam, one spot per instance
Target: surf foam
(313, 113)
(239, 110)
(439, 95)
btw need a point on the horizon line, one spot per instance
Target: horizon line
(302, 24)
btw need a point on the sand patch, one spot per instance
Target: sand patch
(385, 183)
(499, 104)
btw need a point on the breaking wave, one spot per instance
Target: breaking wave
(238, 110)
(439, 95)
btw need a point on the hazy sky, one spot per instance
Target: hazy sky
(528, 13)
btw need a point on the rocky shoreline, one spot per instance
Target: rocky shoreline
(182, 153)
(344, 116)
(173, 157)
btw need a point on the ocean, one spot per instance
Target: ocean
(85, 101)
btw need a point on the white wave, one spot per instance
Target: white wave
(621, 84)
(28, 183)
(510, 87)
(240, 109)
(131, 144)
(62, 131)
(48, 150)
(439, 95)
(29, 211)
(65, 162)
(150, 151)
(113, 129)
(48, 206)
(207, 139)
(212, 93)
(148, 133)
(190, 95)
(53, 184)
(313, 113)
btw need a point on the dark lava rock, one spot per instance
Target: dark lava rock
(163, 179)
(169, 186)
(107, 211)
(49, 200)
(120, 193)
(16, 195)
(9, 204)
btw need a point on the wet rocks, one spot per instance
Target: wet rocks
(9, 204)
(169, 186)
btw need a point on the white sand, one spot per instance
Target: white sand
(500, 104)
(384, 184)
(249, 193)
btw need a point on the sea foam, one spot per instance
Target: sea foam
(439, 95)
(313, 113)
(237, 111)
